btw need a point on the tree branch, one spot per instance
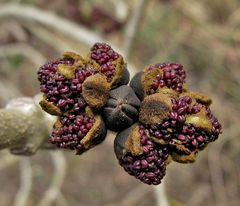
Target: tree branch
(26, 182)
(160, 194)
(46, 18)
(23, 127)
(23, 49)
(132, 26)
(58, 177)
(60, 24)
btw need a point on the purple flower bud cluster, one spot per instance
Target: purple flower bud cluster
(180, 108)
(62, 92)
(149, 167)
(54, 85)
(174, 130)
(216, 126)
(76, 98)
(173, 77)
(180, 121)
(73, 130)
(104, 55)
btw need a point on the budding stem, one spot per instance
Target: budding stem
(23, 133)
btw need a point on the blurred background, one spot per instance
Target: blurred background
(204, 36)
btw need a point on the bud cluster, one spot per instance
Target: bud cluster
(150, 166)
(173, 121)
(170, 75)
(158, 119)
(76, 89)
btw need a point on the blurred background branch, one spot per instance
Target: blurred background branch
(49, 19)
(23, 193)
(60, 167)
(132, 27)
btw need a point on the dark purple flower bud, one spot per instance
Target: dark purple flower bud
(147, 159)
(59, 81)
(79, 132)
(157, 76)
(111, 63)
(188, 128)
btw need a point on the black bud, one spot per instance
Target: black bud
(137, 86)
(119, 142)
(124, 79)
(121, 110)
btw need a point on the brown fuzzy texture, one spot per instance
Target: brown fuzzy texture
(49, 107)
(184, 158)
(96, 91)
(72, 55)
(67, 71)
(120, 66)
(155, 108)
(93, 133)
(148, 78)
(133, 143)
(201, 98)
(200, 120)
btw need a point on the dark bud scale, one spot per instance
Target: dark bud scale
(149, 166)
(137, 85)
(121, 110)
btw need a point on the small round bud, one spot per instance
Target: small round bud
(121, 110)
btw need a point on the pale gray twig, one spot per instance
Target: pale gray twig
(26, 182)
(48, 19)
(160, 194)
(57, 23)
(23, 49)
(58, 177)
(132, 26)
(218, 187)
(23, 128)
